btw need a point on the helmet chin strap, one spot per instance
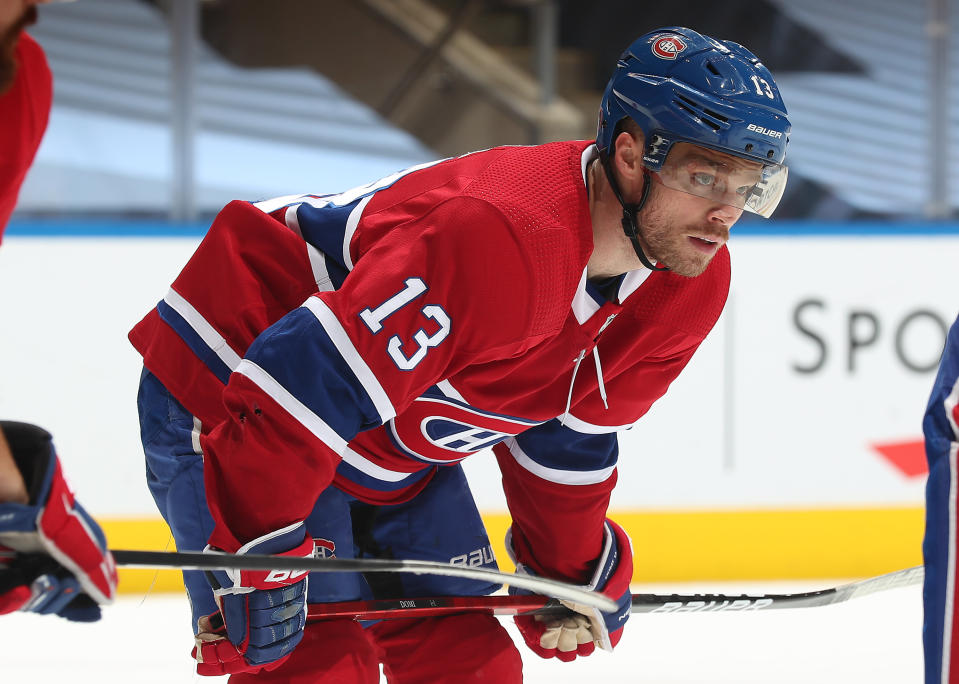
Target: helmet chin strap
(630, 212)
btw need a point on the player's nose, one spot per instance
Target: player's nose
(724, 214)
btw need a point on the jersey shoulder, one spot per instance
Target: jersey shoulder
(541, 192)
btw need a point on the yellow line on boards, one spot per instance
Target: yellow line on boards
(142, 534)
(676, 546)
(671, 546)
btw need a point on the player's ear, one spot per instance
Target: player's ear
(628, 157)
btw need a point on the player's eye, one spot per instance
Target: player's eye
(745, 190)
(705, 179)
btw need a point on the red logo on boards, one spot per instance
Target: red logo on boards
(668, 47)
(908, 457)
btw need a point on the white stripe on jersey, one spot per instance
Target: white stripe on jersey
(318, 264)
(589, 154)
(584, 306)
(632, 281)
(303, 415)
(316, 425)
(201, 327)
(270, 205)
(195, 436)
(292, 220)
(449, 391)
(369, 468)
(566, 477)
(321, 276)
(351, 223)
(582, 426)
(353, 359)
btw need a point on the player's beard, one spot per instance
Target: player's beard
(668, 243)
(8, 48)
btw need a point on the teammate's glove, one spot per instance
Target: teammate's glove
(585, 628)
(262, 612)
(53, 555)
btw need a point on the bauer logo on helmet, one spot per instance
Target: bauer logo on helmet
(764, 131)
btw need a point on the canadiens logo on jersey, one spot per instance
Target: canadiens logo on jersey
(323, 548)
(437, 430)
(668, 47)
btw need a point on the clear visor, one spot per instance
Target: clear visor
(724, 178)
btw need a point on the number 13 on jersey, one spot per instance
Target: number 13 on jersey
(373, 318)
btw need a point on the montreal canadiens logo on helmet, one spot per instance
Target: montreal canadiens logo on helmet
(668, 47)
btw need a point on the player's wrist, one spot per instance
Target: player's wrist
(12, 487)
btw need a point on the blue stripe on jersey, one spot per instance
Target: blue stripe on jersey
(300, 356)
(194, 341)
(335, 270)
(325, 227)
(559, 447)
(940, 534)
(369, 482)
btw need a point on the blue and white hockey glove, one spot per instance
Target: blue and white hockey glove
(53, 555)
(585, 628)
(262, 612)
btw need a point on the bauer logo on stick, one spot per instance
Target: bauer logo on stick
(668, 47)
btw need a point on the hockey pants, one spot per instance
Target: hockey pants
(439, 524)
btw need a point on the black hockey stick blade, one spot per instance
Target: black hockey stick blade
(642, 603)
(704, 603)
(186, 560)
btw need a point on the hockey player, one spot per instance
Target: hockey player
(53, 556)
(941, 428)
(323, 362)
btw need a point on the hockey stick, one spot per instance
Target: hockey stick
(642, 603)
(228, 561)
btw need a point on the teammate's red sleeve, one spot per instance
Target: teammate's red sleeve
(24, 111)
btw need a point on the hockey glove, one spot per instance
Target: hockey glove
(262, 612)
(53, 555)
(585, 628)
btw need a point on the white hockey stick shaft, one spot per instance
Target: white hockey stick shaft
(641, 603)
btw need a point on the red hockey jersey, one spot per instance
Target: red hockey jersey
(24, 111)
(369, 337)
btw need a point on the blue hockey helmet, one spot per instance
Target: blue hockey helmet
(680, 86)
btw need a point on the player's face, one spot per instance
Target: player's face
(15, 15)
(687, 216)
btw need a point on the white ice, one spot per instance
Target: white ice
(875, 639)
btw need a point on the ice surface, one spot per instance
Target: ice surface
(875, 639)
